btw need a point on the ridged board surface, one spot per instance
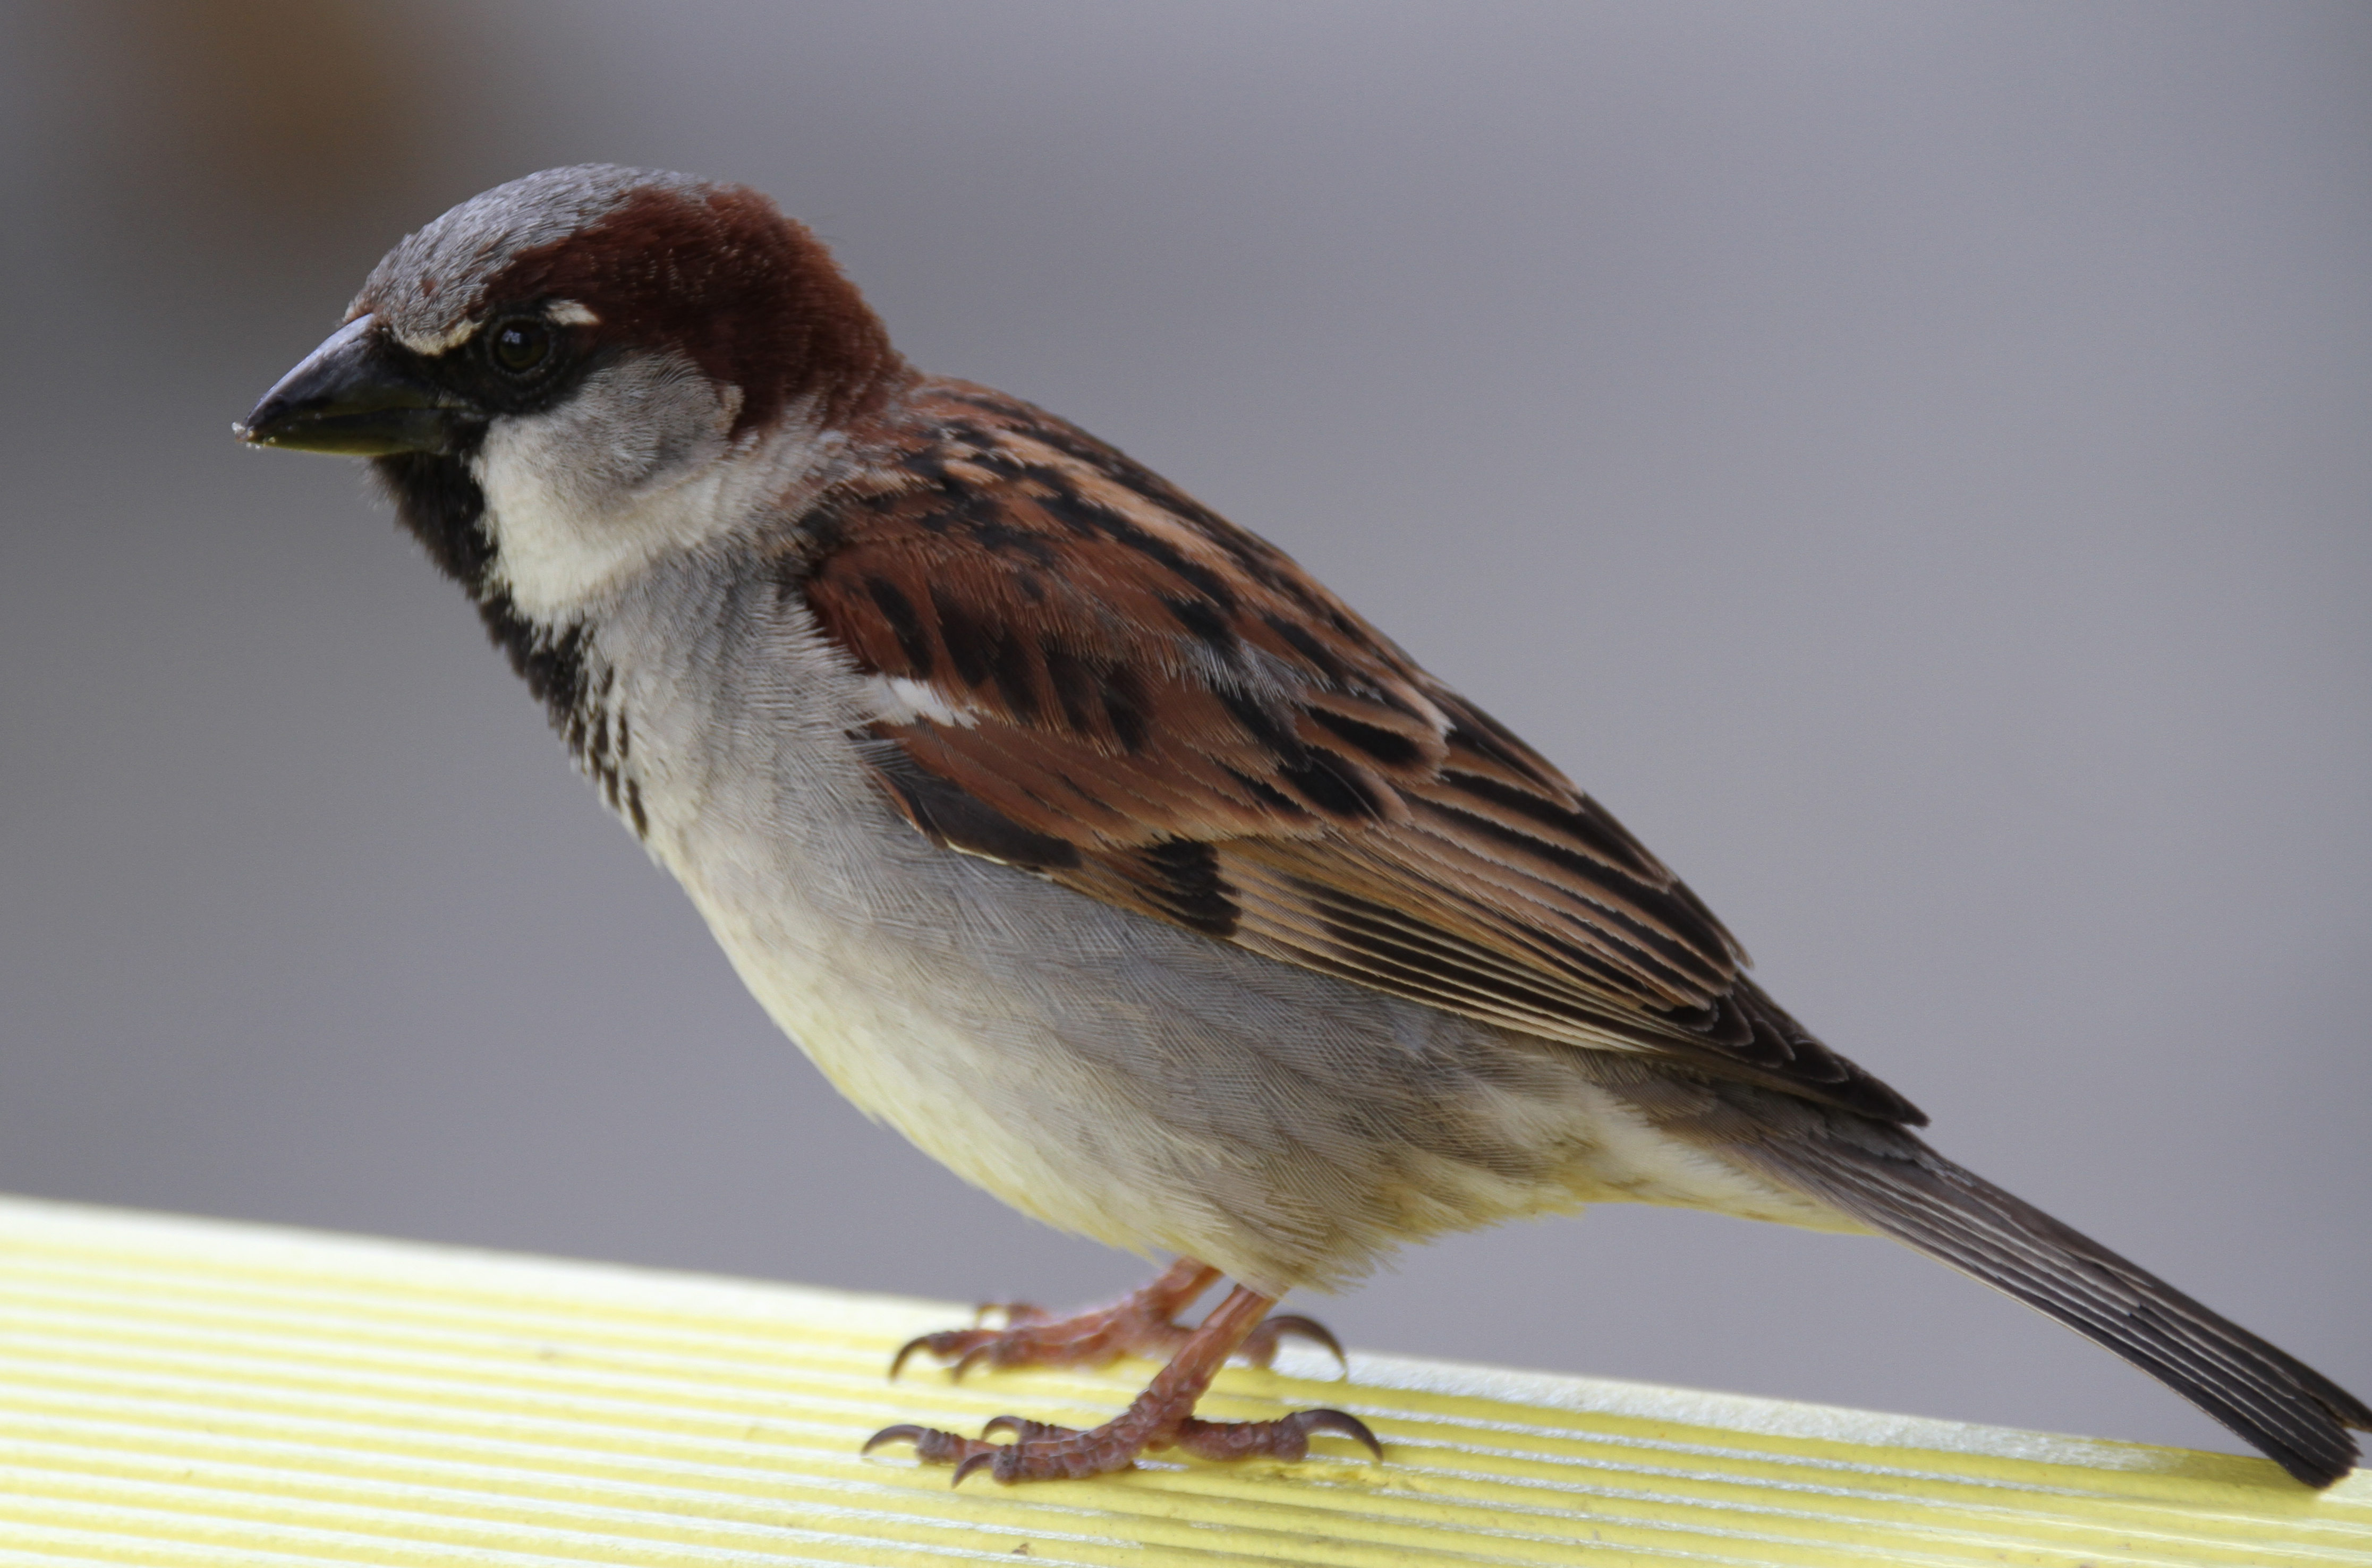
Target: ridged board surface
(198, 1394)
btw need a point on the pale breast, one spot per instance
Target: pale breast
(1106, 1071)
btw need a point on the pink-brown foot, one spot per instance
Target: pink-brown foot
(1287, 1438)
(1143, 1323)
(1161, 1417)
(1043, 1452)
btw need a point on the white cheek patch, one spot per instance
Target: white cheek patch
(632, 466)
(897, 700)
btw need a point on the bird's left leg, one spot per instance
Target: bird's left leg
(1161, 1417)
(1144, 1322)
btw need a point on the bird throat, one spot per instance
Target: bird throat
(438, 500)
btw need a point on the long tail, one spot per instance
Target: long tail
(2298, 1417)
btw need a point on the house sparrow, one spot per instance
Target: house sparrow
(1082, 837)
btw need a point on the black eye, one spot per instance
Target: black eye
(520, 346)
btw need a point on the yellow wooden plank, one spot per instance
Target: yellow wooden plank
(192, 1394)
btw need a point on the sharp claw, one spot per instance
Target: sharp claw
(1012, 1424)
(971, 1358)
(980, 1461)
(899, 1361)
(905, 1431)
(1314, 1331)
(1342, 1423)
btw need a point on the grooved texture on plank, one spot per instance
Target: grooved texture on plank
(194, 1394)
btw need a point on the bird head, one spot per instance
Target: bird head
(614, 360)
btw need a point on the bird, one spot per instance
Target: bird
(1085, 839)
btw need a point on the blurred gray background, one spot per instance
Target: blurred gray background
(1909, 460)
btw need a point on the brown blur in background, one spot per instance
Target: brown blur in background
(1909, 459)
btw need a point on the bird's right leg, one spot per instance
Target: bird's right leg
(1161, 1417)
(1144, 1322)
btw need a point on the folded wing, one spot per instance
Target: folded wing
(1082, 672)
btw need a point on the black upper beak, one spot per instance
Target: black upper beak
(356, 396)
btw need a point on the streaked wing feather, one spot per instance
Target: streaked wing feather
(1087, 675)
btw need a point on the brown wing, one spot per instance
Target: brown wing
(1087, 675)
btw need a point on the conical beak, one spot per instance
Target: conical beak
(356, 396)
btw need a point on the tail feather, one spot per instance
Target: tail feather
(2297, 1417)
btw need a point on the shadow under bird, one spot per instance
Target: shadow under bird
(1085, 839)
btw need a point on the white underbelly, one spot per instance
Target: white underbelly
(981, 1063)
(1106, 1073)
